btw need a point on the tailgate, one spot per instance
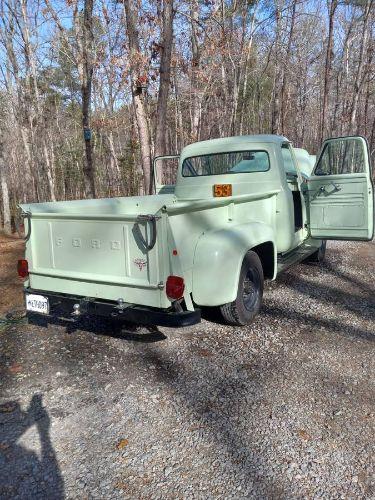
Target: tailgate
(106, 256)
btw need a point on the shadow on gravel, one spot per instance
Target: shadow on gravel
(350, 279)
(23, 474)
(137, 333)
(216, 403)
(102, 326)
(357, 304)
(315, 322)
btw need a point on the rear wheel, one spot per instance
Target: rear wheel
(249, 294)
(319, 255)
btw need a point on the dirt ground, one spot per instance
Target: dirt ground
(11, 249)
(284, 408)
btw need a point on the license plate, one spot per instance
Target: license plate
(37, 303)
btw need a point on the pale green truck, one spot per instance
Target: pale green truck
(242, 210)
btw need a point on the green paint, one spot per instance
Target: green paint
(95, 248)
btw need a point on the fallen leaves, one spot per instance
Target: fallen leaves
(303, 434)
(122, 444)
(121, 485)
(204, 353)
(15, 368)
(11, 289)
(8, 407)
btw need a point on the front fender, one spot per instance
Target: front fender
(218, 258)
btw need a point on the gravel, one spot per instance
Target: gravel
(283, 408)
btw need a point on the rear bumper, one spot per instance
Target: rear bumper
(61, 305)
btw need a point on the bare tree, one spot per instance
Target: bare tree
(360, 75)
(284, 100)
(139, 80)
(106, 69)
(196, 96)
(165, 45)
(86, 67)
(275, 116)
(327, 69)
(4, 192)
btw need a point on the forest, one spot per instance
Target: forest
(92, 90)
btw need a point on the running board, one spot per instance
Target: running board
(284, 261)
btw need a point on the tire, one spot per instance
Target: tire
(319, 255)
(246, 306)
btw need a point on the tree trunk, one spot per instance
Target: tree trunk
(285, 73)
(359, 74)
(275, 114)
(368, 93)
(19, 104)
(4, 193)
(327, 71)
(138, 79)
(245, 71)
(195, 66)
(6, 206)
(86, 90)
(165, 77)
(179, 121)
(49, 172)
(32, 84)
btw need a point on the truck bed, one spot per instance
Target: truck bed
(98, 248)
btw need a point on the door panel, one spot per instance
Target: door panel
(340, 193)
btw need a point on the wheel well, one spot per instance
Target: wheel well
(265, 252)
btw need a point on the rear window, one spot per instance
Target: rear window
(235, 162)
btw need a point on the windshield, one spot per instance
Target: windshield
(226, 163)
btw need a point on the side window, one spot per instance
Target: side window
(289, 166)
(341, 156)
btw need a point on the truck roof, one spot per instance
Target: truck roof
(216, 145)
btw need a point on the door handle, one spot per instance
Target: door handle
(336, 187)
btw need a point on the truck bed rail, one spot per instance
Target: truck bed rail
(194, 205)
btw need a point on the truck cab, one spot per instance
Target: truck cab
(241, 210)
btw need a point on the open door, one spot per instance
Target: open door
(340, 192)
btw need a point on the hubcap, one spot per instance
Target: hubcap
(250, 291)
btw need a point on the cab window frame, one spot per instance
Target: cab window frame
(287, 145)
(228, 172)
(320, 173)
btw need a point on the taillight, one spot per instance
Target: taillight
(175, 287)
(23, 268)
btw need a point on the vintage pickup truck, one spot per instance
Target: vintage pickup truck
(242, 210)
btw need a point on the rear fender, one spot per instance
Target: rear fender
(218, 259)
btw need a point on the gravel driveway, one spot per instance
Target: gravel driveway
(281, 409)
